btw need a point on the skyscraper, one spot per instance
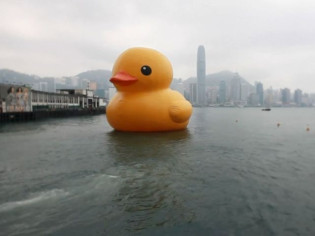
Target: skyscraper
(222, 92)
(236, 88)
(244, 92)
(298, 97)
(260, 92)
(286, 96)
(193, 93)
(269, 97)
(201, 76)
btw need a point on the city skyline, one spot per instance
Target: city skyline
(232, 91)
(66, 78)
(240, 94)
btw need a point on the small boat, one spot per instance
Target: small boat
(266, 109)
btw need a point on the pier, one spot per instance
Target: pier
(45, 114)
(21, 103)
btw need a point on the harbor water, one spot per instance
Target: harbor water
(232, 172)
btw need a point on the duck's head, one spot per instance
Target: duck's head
(141, 69)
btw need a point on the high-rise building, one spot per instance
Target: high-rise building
(92, 86)
(269, 97)
(307, 100)
(212, 95)
(253, 99)
(46, 84)
(222, 92)
(193, 93)
(178, 85)
(236, 88)
(201, 76)
(84, 83)
(285, 96)
(260, 93)
(298, 97)
(277, 98)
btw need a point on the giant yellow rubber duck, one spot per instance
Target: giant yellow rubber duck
(144, 102)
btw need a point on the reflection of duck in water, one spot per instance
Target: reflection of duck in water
(144, 101)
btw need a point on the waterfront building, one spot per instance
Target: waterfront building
(70, 82)
(285, 96)
(212, 95)
(84, 83)
(193, 93)
(92, 86)
(201, 76)
(269, 97)
(101, 93)
(277, 99)
(298, 97)
(244, 92)
(311, 99)
(178, 85)
(307, 100)
(14, 98)
(260, 93)
(236, 88)
(253, 99)
(222, 92)
(45, 84)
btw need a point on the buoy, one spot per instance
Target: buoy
(278, 125)
(308, 128)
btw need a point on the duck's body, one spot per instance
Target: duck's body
(144, 102)
(153, 111)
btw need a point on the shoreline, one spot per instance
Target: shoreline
(46, 114)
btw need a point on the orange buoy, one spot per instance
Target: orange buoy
(308, 128)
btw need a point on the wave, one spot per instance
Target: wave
(113, 176)
(42, 196)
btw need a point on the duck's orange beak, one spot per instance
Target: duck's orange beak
(123, 79)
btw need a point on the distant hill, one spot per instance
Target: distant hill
(13, 77)
(215, 79)
(101, 77)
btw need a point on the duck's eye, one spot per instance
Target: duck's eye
(146, 70)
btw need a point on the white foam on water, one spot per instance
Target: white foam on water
(103, 180)
(113, 176)
(42, 196)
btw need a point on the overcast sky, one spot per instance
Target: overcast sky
(272, 41)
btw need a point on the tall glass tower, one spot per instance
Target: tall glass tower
(201, 76)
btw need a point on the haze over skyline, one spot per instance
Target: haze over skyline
(268, 41)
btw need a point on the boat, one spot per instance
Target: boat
(266, 109)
